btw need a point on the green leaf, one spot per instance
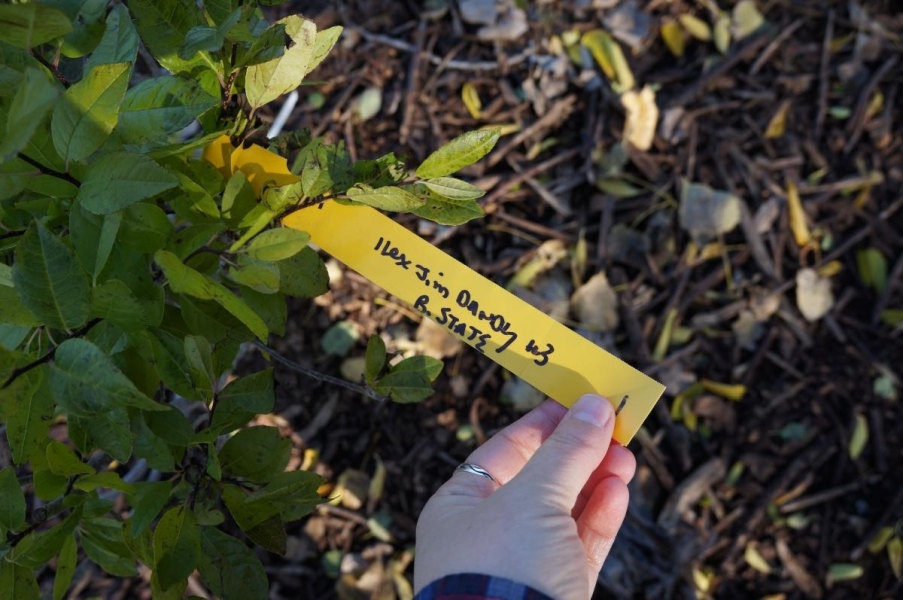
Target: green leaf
(386, 198)
(260, 276)
(63, 461)
(255, 453)
(265, 47)
(87, 30)
(375, 358)
(103, 543)
(159, 107)
(113, 300)
(119, 42)
(88, 111)
(323, 45)
(267, 81)
(121, 179)
(34, 98)
(214, 469)
(405, 386)
(278, 244)
(172, 426)
(162, 25)
(151, 447)
(106, 479)
(872, 268)
(93, 237)
(109, 431)
(32, 24)
(454, 189)
(185, 280)
(37, 548)
(859, 437)
(253, 393)
(169, 358)
(145, 228)
(49, 280)
(28, 414)
(249, 516)
(177, 546)
(446, 211)
(427, 365)
(340, 338)
(133, 269)
(65, 568)
(193, 237)
(272, 308)
(12, 501)
(839, 572)
(230, 569)
(199, 355)
(303, 275)
(290, 489)
(147, 500)
(459, 153)
(16, 581)
(238, 199)
(86, 383)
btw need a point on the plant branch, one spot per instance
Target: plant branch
(52, 68)
(366, 391)
(48, 171)
(11, 234)
(48, 356)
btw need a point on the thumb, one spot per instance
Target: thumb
(560, 468)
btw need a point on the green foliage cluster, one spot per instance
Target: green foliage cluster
(132, 270)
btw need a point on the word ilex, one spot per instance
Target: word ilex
(453, 317)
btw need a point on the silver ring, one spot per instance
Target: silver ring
(469, 468)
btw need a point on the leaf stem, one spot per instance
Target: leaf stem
(366, 391)
(52, 68)
(47, 170)
(47, 356)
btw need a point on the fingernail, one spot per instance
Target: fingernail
(593, 409)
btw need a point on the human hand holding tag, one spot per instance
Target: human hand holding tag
(548, 515)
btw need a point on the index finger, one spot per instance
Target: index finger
(505, 453)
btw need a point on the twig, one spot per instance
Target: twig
(48, 171)
(774, 45)
(11, 234)
(52, 68)
(558, 113)
(857, 122)
(48, 356)
(823, 76)
(317, 375)
(527, 174)
(410, 93)
(457, 65)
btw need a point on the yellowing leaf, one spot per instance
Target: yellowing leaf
(746, 18)
(778, 123)
(895, 555)
(673, 36)
(696, 27)
(729, 391)
(876, 105)
(642, 118)
(830, 269)
(704, 579)
(664, 338)
(798, 224)
(610, 58)
(859, 438)
(843, 572)
(880, 540)
(722, 34)
(755, 560)
(471, 100)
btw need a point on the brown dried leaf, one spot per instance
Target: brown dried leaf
(642, 118)
(595, 304)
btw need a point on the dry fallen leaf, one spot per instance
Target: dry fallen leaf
(595, 304)
(696, 27)
(755, 560)
(611, 59)
(813, 294)
(706, 213)
(746, 19)
(798, 224)
(673, 36)
(778, 123)
(722, 34)
(859, 437)
(642, 118)
(471, 100)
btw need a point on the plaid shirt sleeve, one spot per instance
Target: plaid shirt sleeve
(474, 586)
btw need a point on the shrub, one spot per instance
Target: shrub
(132, 270)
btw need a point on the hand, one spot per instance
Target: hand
(552, 513)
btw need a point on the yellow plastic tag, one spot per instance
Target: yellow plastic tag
(520, 338)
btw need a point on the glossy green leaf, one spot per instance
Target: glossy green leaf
(260, 520)
(88, 28)
(88, 111)
(390, 198)
(34, 98)
(272, 308)
(121, 179)
(443, 210)
(49, 280)
(255, 453)
(32, 24)
(253, 392)
(150, 446)
(102, 541)
(199, 354)
(290, 489)
(169, 359)
(238, 199)
(93, 237)
(229, 568)
(37, 548)
(177, 546)
(162, 25)
(17, 581)
(258, 275)
(109, 431)
(12, 501)
(405, 386)
(65, 568)
(427, 365)
(86, 383)
(63, 461)
(267, 81)
(145, 228)
(303, 275)
(113, 300)
(28, 414)
(375, 358)
(119, 42)
(172, 426)
(278, 244)
(454, 189)
(159, 107)
(107, 480)
(461, 152)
